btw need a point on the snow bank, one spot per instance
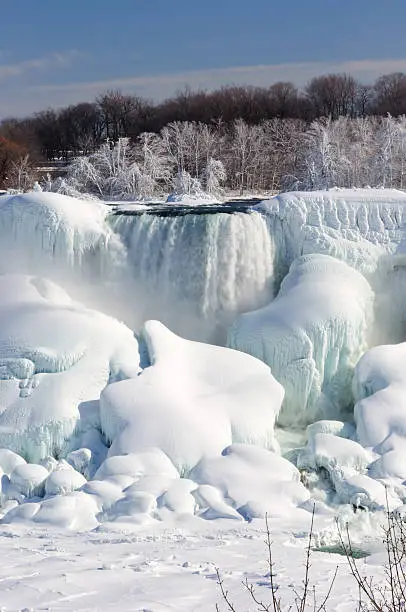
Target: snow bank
(311, 336)
(192, 401)
(192, 200)
(63, 480)
(54, 355)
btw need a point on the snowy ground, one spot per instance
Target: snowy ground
(165, 568)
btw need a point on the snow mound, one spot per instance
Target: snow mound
(340, 469)
(191, 402)
(311, 336)
(380, 388)
(63, 480)
(255, 480)
(333, 452)
(149, 462)
(54, 355)
(9, 461)
(29, 479)
(380, 412)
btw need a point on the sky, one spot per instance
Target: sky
(55, 53)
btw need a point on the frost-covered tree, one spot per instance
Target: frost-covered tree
(183, 184)
(154, 163)
(246, 143)
(214, 177)
(111, 172)
(22, 175)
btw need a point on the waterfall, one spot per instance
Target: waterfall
(195, 272)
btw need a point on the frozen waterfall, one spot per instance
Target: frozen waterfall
(195, 272)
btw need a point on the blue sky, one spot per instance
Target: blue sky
(56, 53)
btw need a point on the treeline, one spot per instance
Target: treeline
(189, 158)
(81, 129)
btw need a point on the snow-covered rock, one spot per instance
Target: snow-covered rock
(311, 336)
(191, 402)
(9, 460)
(325, 450)
(336, 428)
(380, 412)
(80, 460)
(380, 388)
(147, 462)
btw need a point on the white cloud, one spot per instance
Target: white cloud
(164, 84)
(37, 64)
(160, 86)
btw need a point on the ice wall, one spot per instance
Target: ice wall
(311, 336)
(56, 236)
(358, 226)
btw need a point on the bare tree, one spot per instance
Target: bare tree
(333, 95)
(390, 94)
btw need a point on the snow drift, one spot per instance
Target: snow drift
(191, 402)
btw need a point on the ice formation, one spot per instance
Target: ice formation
(311, 336)
(54, 235)
(194, 272)
(380, 412)
(359, 226)
(54, 356)
(98, 426)
(192, 401)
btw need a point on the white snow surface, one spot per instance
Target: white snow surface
(192, 401)
(163, 567)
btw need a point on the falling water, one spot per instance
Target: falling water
(195, 272)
